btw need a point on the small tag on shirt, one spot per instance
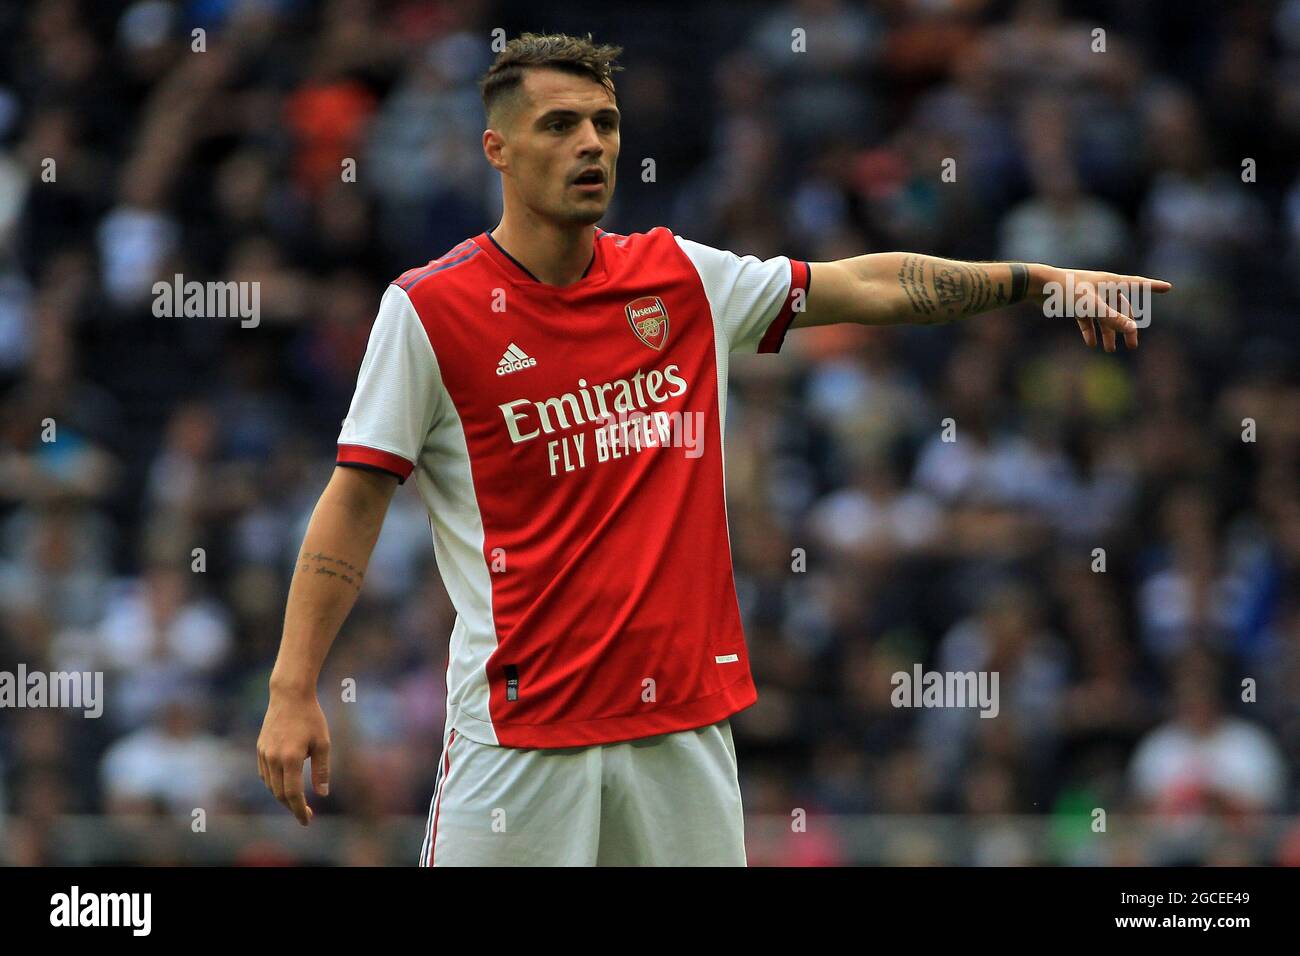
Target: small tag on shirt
(727, 659)
(512, 682)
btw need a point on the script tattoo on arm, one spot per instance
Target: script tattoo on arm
(320, 563)
(911, 276)
(950, 289)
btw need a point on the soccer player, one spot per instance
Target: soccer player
(558, 393)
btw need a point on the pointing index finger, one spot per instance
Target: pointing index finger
(1156, 285)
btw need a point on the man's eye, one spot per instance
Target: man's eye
(556, 125)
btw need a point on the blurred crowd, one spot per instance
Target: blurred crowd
(1118, 536)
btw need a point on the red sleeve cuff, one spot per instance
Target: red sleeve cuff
(800, 279)
(360, 456)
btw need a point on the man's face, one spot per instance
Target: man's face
(559, 147)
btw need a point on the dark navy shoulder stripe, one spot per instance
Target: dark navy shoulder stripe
(450, 253)
(434, 270)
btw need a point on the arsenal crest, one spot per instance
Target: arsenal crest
(649, 320)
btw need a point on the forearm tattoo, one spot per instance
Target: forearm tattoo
(949, 289)
(320, 563)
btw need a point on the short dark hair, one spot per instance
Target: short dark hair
(557, 51)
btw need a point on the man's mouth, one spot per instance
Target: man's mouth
(591, 179)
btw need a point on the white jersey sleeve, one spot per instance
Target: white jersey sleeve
(397, 398)
(753, 300)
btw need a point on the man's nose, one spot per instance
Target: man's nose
(590, 145)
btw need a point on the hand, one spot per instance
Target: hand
(1100, 297)
(294, 729)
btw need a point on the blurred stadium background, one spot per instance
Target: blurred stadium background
(1121, 690)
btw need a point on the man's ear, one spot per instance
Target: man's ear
(494, 147)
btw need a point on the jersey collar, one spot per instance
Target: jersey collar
(515, 269)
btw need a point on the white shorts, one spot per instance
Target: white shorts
(670, 800)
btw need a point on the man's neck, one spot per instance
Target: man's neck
(557, 255)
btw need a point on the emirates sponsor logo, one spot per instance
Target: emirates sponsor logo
(608, 421)
(527, 419)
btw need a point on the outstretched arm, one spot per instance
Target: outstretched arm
(890, 288)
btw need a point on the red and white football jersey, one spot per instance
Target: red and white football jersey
(567, 443)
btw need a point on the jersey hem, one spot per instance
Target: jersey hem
(800, 280)
(700, 712)
(377, 469)
(350, 453)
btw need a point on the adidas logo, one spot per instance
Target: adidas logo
(515, 360)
